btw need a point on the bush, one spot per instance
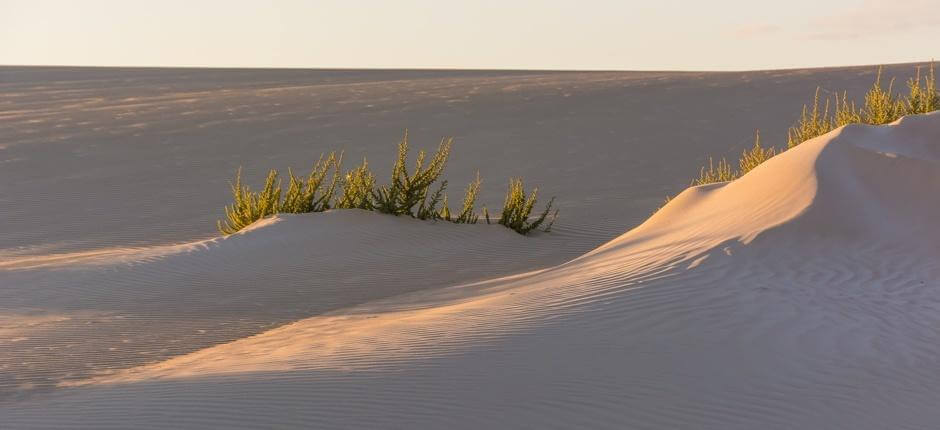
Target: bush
(250, 206)
(517, 208)
(304, 196)
(409, 190)
(466, 215)
(720, 173)
(754, 157)
(408, 193)
(357, 185)
(881, 106)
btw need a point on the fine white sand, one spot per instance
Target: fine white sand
(800, 296)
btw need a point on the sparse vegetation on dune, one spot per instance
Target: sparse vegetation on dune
(408, 193)
(250, 206)
(517, 208)
(882, 105)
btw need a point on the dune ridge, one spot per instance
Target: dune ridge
(801, 295)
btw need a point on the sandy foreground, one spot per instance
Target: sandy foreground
(800, 296)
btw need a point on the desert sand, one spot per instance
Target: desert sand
(801, 295)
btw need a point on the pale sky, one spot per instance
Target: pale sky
(477, 34)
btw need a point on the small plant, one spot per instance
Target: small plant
(881, 107)
(250, 206)
(408, 190)
(304, 195)
(517, 208)
(754, 157)
(466, 215)
(922, 99)
(812, 123)
(358, 185)
(715, 173)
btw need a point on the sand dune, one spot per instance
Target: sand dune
(800, 296)
(97, 311)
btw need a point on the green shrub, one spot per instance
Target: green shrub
(715, 173)
(754, 157)
(812, 123)
(517, 208)
(881, 106)
(466, 215)
(250, 206)
(922, 99)
(408, 193)
(358, 185)
(304, 195)
(409, 190)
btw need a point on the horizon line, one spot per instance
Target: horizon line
(469, 69)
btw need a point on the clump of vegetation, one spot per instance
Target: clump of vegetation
(408, 193)
(304, 195)
(517, 208)
(755, 156)
(723, 172)
(466, 215)
(407, 190)
(250, 206)
(357, 185)
(881, 106)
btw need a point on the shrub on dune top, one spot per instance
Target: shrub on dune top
(881, 106)
(408, 190)
(305, 195)
(723, 172)
(357, 186)
(250, 206)
(407, 194)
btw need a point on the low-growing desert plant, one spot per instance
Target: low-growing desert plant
(812, 123)
(407, 190)
(466, 215)
(357, 185)
(722, 172)
(922, 99)
(250, 206)
(881, 106)
(408, 193)
(517, 208)
(305, 195)
(755, 156)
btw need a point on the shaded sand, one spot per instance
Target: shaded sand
(70, 316)
(803, 295)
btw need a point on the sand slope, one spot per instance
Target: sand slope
(70, 316)
(803, 295)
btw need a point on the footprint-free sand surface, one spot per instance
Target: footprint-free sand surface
(803, 295)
